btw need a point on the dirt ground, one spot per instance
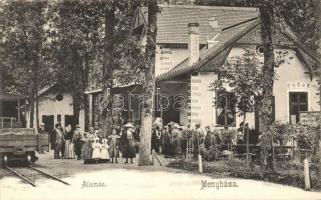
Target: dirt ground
(130, 181)
(73, 166)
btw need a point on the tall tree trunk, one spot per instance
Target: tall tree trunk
(246, 135)
(36, 87)
(85, 97)
(318, 50)
(77, 85)
(266, 118)
(32, 107)
(147, 111)
(37, 67)
(108, 68)
(37, 110)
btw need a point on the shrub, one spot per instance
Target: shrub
(280, 132)
(316, 169)
(211, 154)
(236, 163)
(182, 164)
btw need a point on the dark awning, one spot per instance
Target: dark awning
(10, 97)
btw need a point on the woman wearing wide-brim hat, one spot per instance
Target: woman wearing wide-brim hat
(129, 146)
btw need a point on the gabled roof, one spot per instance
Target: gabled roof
(173, 19)
(287, 32)
(216, 55)
(218, 61)
(45, 89)
(225, 40)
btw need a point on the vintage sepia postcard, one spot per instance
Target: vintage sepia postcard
(160, 99)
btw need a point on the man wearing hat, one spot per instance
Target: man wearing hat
(198, 139)
(77, 142)
(58, 141)
(42, 128)
(209, 138)
(176, 144)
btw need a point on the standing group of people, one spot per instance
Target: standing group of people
(174, 140)
(66, 142)
(171, 140)
(69, 143)
(121, 140)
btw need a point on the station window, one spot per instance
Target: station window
(298, 102)
(225, 109)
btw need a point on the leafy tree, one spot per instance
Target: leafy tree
(243, 75)
(76, 42)
(149, 87)
(23, 50)
(118, 48)
(90, 35)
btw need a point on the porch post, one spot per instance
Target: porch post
(90, 110)
(18, 109)
(129, 116)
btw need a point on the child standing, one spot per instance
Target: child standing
(114, 142)
(104, 150)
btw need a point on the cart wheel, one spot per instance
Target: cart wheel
(5, 160)
(28, 159)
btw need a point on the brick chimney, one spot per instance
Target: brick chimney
(193, 43)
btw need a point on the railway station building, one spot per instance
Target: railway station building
(192, 40)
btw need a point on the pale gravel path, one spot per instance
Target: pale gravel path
(140, 184)
(136, 184)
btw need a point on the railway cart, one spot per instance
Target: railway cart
(17, 143)
(21, 144)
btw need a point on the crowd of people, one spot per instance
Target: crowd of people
(71, 143)
(172, 140)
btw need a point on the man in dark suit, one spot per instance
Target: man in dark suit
(59, 136)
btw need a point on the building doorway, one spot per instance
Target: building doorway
(69, 119)
(49, 121)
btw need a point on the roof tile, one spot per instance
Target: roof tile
(172, 21)
(226, 39)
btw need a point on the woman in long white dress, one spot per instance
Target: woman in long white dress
(104, 150)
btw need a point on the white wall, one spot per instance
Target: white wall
(202, 107)
(167, 58)
(48, 105)
(292, 77)
(289, 73)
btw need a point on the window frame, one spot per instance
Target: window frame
(298, 104)
(233, 124)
